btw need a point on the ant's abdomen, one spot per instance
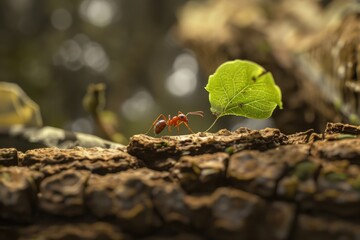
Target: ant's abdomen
(159, 126)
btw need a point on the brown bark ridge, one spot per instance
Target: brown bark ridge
(244, 184)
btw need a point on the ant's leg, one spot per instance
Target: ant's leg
(188, 127)
(169, 125)
(178, 123)
(178, 126)
(156, 120)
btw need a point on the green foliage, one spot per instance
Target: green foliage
(94, 100)
(243, 88)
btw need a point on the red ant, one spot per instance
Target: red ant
(161, 121)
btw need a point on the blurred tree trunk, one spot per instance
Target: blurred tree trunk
(311, 47)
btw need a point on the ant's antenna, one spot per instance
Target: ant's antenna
(198, 113)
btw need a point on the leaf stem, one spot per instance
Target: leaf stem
(213, 123)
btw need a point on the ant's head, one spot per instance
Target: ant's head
(182, 117)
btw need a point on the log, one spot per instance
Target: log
(257, 184)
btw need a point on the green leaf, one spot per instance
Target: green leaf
(243, 88)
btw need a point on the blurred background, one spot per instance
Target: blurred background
(54, 49)
(148, 54)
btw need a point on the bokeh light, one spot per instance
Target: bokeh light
(79, 51)
(98, 12)
(84, 125)
(95, 57)
(69, 55)
(183, 80)
(138, 105)
(61, 19)
(186, 60)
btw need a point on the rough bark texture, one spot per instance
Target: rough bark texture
(226, 185)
